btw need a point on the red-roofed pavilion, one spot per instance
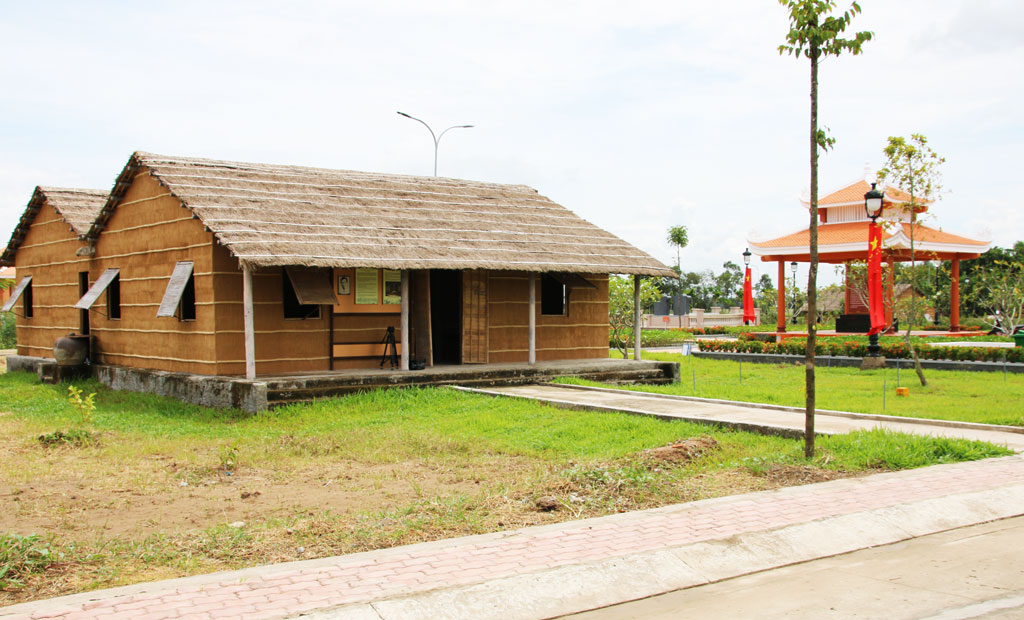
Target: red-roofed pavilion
(843, 237)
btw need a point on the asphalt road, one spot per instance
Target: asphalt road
(971, 572)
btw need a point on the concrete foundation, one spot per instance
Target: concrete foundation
(872, 363)
(266, 392)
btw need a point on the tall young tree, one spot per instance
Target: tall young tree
(912, 166)
(679, 237)
(814, 33)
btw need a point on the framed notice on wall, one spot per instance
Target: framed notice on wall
(366, 286)
(392, 287)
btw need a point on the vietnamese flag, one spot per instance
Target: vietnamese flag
(876, 307)
(748, 300)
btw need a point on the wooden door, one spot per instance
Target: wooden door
(474, 317)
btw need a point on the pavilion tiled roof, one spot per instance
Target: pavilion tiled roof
(854, 194)
(851, 236)
(857, 232)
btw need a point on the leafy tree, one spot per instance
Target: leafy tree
(678, 236)
(766, 298)
(729, 285)
(620, 308)
(815, 34)
(912, 166)
(973, 294)
(1002, 292)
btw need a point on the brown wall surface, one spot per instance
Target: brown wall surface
(282, 345)
(48, 255)
(147, 234)
(581, 334)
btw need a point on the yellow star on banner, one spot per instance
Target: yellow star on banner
(874, 245)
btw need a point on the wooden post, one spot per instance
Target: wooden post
(637, 319)
(954, 297)
(780, 324)
(533, 318)
(890, 291)
(847, 293)
(404, 363)
(247, 319)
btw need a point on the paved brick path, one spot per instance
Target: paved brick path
(289, 589)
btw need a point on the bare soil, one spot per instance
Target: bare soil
(123, 518)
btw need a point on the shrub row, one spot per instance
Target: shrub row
(854, 348)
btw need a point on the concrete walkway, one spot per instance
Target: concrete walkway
(774, 419)
(547, 571)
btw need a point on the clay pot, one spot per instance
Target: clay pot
(71, 350)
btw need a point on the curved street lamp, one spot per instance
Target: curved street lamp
(436, 137)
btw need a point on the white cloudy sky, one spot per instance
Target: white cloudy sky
(635, 115)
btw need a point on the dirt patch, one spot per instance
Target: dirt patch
(794, 475)
(123, 514)
(683, 451)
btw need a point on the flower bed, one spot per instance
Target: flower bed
(896, 349)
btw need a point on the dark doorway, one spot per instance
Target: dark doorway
(83, 315)
(446, 315)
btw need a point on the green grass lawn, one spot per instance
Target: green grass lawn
(171, 490)
(986, 397)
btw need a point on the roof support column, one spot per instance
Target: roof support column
(637, 320)
(780, 324)
(954, 296)
(847, 293)
(404, 364)
(533, 318)
(247, 319)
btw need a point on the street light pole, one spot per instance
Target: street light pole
(436, 137)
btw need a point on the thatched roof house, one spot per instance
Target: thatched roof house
(51, 274)
(77, 208)
(228, 268)
(267, 215)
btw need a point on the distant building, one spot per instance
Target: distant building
(843, 237)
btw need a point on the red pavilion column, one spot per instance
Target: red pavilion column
(847, 295)
(954, 297)
(781, 324)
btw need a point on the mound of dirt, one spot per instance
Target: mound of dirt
(683, 451)
(793, 475)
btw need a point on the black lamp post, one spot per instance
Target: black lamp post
(792, 267)
(873, 207)
(746, 257)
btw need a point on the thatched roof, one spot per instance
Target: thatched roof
(77, 207)
(268, 215)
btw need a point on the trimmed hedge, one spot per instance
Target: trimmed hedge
(855, 348)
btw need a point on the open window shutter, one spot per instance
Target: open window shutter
(312, 286)
(571, 280)
(175, 288)
(16, 293)
(97, 288)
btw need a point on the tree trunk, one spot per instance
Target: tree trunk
(913, 290)
(812, 274)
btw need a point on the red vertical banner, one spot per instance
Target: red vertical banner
(748, 299)
(876, 303)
